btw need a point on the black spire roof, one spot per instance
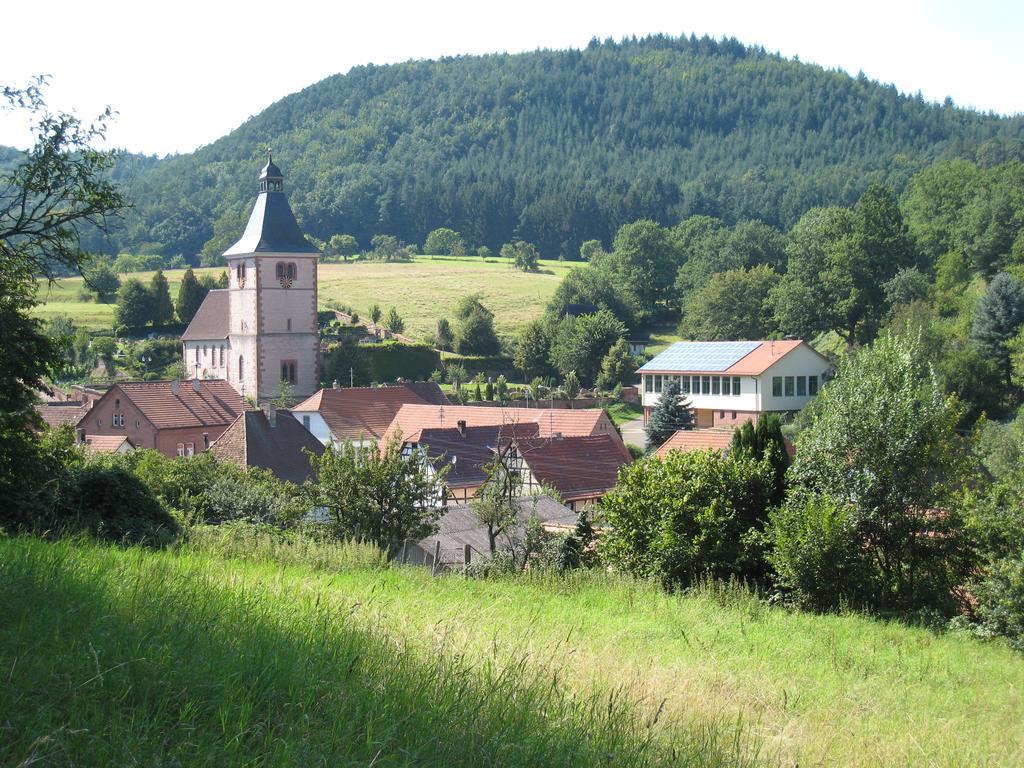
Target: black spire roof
(272, 227)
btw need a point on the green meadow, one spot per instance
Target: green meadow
(234, 652)
(423, 290)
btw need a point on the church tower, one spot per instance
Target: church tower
(271, 299)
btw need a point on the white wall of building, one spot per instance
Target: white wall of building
(802, 361)
(747, 400)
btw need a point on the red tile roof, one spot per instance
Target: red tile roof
(59, 412)
(577, 467)
(411, 420)
(196, 403)
(759, 360)
(106, 443)
(697, 440)
(211, 320)
(367, 412)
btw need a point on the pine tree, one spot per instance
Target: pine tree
(670, 415)
(190, 296)
(445, 337)
(394, 321)
(161, 309)
(765, 440)
(999, 315)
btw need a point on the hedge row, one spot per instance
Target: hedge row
(390, 360)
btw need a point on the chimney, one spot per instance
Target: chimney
(461, 424)
(195, 385)
(271, 413)
(175, 386)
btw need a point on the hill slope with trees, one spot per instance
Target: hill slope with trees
(558, 147)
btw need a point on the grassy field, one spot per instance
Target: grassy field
(115, 656)
(423, 291)
(429, 287)
(62, 298)
(121, 657)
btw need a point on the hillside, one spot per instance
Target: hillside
(111, 652)
(557, 147)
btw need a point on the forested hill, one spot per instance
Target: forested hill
(557, 147)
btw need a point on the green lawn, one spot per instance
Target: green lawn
(423, 290)
(113, 656)
(429, 287)
(62, 298)
(622, 413)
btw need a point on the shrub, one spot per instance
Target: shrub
(111, 503)
(391, 360)
(686, 516)
(817, 552)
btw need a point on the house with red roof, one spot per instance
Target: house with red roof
(362, 414)
(577, 453)
(729, 382)
(714, 439)
(177, 418)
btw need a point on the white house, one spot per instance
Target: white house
(728, 382)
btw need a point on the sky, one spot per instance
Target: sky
(182, 74)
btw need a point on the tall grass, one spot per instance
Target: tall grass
(258, 543)
(115, 656)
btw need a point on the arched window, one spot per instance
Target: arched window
(240, 274)
(279, 270)
(292, 271)
(241, 367)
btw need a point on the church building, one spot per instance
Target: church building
(262, 328)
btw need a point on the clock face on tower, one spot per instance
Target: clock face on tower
(266, 317)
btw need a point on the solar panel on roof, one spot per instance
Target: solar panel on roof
(701, 356)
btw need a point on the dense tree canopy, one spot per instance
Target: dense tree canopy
(555, 147)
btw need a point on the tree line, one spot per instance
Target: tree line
(555, 148)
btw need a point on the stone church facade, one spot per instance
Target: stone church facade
(262, 329)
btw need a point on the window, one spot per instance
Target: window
(197, 355)
(726, 388)
(705, 385)
(222, 356)
(776, 386)
(789, 386)
(181, 449)
(190, 449)
(684, 387)
(721, 414)
(305, 420)
(240, 275)
(117, 420)
(716, 385)
(812, 385)
(279, 270)
(289, 323)
(241, 367)
(736, 385)
(288, 371)
(801, 386)
(657, 384)
(206, 440)
(293, 271)
(648, 383)
(734, 414)
(138, 424)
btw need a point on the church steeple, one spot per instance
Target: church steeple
(272, 227)
(271, 178)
